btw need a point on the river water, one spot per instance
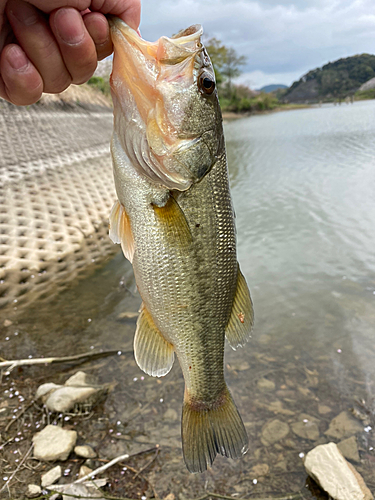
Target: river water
(303, 185)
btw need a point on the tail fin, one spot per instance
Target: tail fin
(208, 430)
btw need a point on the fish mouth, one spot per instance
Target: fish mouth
(142, 78)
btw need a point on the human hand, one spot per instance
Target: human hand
(45, 45)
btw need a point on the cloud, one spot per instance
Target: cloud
(277, 37)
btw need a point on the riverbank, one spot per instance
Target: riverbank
(231, 115)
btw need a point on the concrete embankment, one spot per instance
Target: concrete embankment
(56, 192)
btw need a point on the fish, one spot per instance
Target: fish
(174, 219)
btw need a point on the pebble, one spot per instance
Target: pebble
(259, 470)
(337, 477)
(33, 491)
(128, 315)
(83, 471)
(51, 476)
(79, 379)
(274, 431)
(85, 451)
(54, 443)
(65, 398)
(323, 409)
(171, 415)
(7, 323)
(343, 426)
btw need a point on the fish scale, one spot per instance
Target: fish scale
(175, 221)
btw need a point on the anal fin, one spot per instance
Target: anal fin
(120, 230)
(153, 354)
(240, 324)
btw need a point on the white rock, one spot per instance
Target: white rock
(78, 379)
(51, 476)
(33, 490)
(54, 443)
(45, 389)
(64, 398)
(335, 475)
(85, 451)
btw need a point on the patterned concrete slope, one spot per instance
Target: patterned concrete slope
(56, 192)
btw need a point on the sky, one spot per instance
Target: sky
(281, 39)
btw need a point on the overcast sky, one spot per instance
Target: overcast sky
(282, 40)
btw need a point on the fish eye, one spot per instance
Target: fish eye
(206, 84)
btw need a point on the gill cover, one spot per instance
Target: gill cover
(166, 126)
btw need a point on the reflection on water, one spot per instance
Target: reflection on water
(303, 190)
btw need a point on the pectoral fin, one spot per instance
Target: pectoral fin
(120, 230)
(242, 316)
(153, 354)
(173, 222)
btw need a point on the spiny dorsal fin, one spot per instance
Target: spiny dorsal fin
(153, 354)
(173, 222)
(120, 230)
(241, 320)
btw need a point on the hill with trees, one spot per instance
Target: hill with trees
(273, 87)
(333, 81)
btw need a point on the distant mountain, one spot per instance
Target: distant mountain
(334, 80)
(271, 88)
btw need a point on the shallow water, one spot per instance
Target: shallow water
(303, 190)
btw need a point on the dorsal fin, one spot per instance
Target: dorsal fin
(241, 320)
(120, 230)
(153, 354)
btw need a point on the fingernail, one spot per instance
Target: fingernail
(69, 25)
(17, 58)
(24, 13)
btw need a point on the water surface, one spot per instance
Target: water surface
(303, 190)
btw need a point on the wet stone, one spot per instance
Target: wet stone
(306, 428)
(51, 476)
(85, 451)
(171, 415)
(343, 426)
(274, 431)
(349, 449)
(259, 470)
(265, 385)
(323, 409)
(54, 443)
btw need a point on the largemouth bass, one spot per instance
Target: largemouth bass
(175, 222)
